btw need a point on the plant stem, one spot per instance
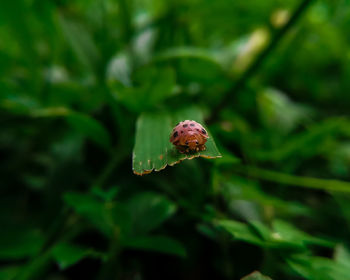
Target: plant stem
(119, 155)
(252, 69)
(297, 181)
(111, 269)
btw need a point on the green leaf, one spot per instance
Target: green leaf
(106, 195)
(153, 85)
(90, 128)
(162, 244)
(19, 243)
(9, 272)
(186, 53)
(17, 103)
(311, 142)
(241, 231)
(331, 185)
(82, 123)
(194, 64)
(318, 268)
(81, 42)
(91, 209)
(342, 255)
(278, 112)
(119, 70)
(67, 255)
(50, 112)
(256, 275)
(139, 215)
(286, 232)
(239, 188)
(19, 20)
(153, 150)
(228, 159)
(148, 211)
(283, 235)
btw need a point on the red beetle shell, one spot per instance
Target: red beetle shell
(189, 136)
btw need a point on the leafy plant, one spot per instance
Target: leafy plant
(89, 94)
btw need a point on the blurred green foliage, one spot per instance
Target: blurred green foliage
(271, 79)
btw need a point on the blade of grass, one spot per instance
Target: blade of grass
(252, 69)
(298, 181)
(153, 150)
(187, 52)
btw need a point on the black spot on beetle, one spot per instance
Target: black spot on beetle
(197, 129)
(175, 134)
(192, 124)
(182, 131)
(185, 125)
(203, 131)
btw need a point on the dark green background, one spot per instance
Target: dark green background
(271, 78)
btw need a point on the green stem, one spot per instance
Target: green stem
(125, 7)
(252, 69)
(111, 269)
(297, 181)
(119, 155)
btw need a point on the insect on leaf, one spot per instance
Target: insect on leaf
(153, 150)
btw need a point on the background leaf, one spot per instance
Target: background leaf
(92, 209)
(242, 232)
(90, 128)
(81, 42)
(20, 244)
(152, 86)
(148, 210)
(318, 268)
(67, 255)
(9, 272)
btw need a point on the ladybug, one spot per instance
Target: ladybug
(189, 136)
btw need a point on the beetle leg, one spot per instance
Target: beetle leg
(181, 149)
